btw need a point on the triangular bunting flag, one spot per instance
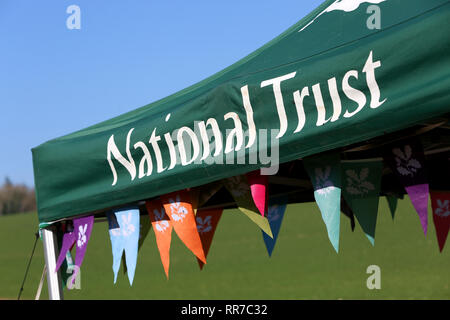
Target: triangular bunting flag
(325, 173)
(200, 195)
(194, 194)
(347, 211)
(207, 220)
(239, 189)
(361, 189)
(144, 228)
(392, 202)
(207, 191)
(68, 241)
(179, 209)
(440, 202)
(67, 266)
(124, 230)
(258, 186)
(275, 214)
(407, 161)
(162, 226)
(82, 229)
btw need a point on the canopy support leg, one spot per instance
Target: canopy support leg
(50, 253)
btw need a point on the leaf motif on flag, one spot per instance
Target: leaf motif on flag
(177, 211)
(81, 235)
(405, 164)
(128, 227)
(352, 175)
(323, 185)
(115, 232)
(325, 191)
(160, 224)
(443, 209)
(357, 184)
(408, 151)
(353, 190)
(364, 174)
(273, 213)
(237, 187)
(204, 225)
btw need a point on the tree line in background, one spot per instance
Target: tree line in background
(16, 198)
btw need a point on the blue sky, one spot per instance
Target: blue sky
(54, 81)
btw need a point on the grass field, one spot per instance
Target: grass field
(303, 265)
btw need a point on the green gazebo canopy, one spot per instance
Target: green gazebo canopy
(332, 80)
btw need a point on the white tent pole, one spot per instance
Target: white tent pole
(41, 283)
(50, 253)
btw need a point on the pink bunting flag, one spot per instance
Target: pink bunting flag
(440, 202)
(79, 236)
(258, 186)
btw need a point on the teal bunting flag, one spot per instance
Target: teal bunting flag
(324, 171)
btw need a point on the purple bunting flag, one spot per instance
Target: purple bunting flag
(407, 160)
(79, 236)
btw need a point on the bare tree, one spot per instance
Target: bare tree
(16, 198)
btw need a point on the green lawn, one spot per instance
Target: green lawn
(303, 265)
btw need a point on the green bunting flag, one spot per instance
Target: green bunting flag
(392, 202)
(239, 189)
(324, 171)
(361, 189)
(347, 211)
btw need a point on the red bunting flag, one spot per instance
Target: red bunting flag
(162, 226)
(207, 220)
(179, 209)
(440, 202)
(258, 186)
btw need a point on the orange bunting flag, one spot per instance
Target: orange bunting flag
(258, 186)
(207, 220)
(162, 226)
(179, 209)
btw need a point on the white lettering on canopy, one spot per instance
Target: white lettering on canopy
(198, 140)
